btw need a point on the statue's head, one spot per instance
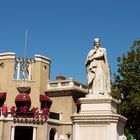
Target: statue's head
(97, 42)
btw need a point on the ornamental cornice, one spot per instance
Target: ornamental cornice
(7, 55)
(98, 100)
(98, 118)
(42, 58)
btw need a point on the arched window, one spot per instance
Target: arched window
(53, 134)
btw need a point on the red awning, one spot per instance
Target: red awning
(44, 98)
(2, 95)
(23, 97)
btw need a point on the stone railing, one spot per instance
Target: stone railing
(66, 84)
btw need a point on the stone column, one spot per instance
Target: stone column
(113, 131)
(1, 130)
(75, 129)
(13, 133)
(34, 133)
(30, 71)
(18, 70)
(71, 82)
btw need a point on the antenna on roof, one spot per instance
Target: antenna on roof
(25, 51)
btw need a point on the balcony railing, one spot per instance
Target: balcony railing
(65, 84)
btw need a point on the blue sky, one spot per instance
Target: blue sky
(63, 30)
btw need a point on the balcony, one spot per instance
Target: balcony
(55, 87)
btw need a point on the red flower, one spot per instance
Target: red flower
(24, 109)
(34, 109)
(13, 109)
(45, 110)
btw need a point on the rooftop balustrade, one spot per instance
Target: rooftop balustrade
(66, 84)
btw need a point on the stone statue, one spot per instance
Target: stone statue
(98, 74)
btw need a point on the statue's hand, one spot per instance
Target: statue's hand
(91, 58)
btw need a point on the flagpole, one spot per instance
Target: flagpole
(25, 57)
(25, 51)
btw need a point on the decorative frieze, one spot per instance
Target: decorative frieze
(98, 118)
(29, 121)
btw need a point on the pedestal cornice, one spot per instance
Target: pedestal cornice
(98, 118)
(90, 99)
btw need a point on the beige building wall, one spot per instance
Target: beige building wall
(9, 83)
(6, 127)
(64, 106)
(40, 77)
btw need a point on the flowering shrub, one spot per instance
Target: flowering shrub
(13, 109)
(24, 112)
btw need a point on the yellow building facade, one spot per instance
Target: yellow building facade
(32, 107)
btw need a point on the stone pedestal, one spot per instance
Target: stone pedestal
(98, 119)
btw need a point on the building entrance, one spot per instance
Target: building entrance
(23, 133)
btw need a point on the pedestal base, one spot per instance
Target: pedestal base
(98, 119)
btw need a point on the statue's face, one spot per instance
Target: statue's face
(97, 44)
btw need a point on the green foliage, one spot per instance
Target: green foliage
(126, 87)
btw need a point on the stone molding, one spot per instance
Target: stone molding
(2, 118)
(100, 99)
(52, 121)
(42, 58)
(7, 55)
(98, 118)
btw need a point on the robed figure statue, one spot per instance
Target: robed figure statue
(98, 73)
